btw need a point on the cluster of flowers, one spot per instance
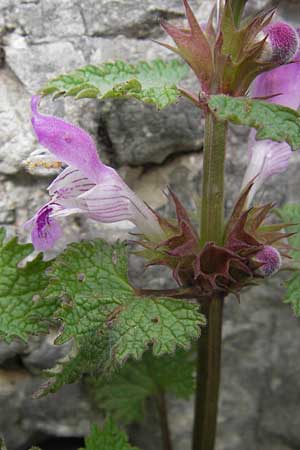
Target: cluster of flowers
(87, 186)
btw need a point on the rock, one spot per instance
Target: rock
(35, 64)
(43, 354)
(16, 138)
(9, 351)
(67, 413)
(139, 135)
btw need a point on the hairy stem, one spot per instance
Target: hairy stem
(209, 344)
(163, 417)
(212, 202)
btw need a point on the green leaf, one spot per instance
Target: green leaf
(109, 438)
(272, 121)
(290, 213)
(150, 82)
(90, 355)
(23, 309)
(97, 300)
(124, 393)
(92, 279)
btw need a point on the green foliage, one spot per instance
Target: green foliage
(290, 213)
(125, 392)
(272, 121)
(154, 82)
(109, 438)
(88, 355)
(102, 314)
(238, 7)
(23, 308)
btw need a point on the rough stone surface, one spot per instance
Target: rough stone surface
(259, 407)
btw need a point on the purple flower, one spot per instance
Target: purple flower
(282, 42)
(268, 158)
(85, 186)
(270, 260)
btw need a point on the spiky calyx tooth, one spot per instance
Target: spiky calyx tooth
(270, 259)
(282, 42)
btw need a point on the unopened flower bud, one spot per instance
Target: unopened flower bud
(282, 43)
(270, 259)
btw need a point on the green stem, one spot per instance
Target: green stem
(164, 422)
(209, 344)
(212, 202)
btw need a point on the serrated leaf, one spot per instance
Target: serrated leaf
(290, 213)
(109, 438)
(124, 393)
(23, 309)
(271, 121)
(150, 82)
(91, 279)
(91, 355)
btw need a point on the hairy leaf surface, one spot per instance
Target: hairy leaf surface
(150, 82)
(101, 313)
(24, 311)
(107, 438)
(290, 213)
(272, 121)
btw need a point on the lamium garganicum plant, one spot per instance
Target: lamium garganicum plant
(247, 72)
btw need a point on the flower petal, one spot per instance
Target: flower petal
(267, 158)
(283, 83)
(112, 201)
(70, 183)
(67, 142)
(46, 230)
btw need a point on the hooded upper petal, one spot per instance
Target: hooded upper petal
(86, 186)
(69, 143)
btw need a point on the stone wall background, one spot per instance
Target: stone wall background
(260, 395)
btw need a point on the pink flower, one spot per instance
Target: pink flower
(268, 158)
(86, 186)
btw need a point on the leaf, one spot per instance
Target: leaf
(91, 280)
(109, 438)
(124, 393)
(238, 7)
(89, 356)
(290, 213)
(272, 121)
(154, 82)
(24, 311)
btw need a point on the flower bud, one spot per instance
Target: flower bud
(282, 43)
(270, 259)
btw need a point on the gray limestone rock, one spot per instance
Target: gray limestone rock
(23, 419)
(138, 135)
